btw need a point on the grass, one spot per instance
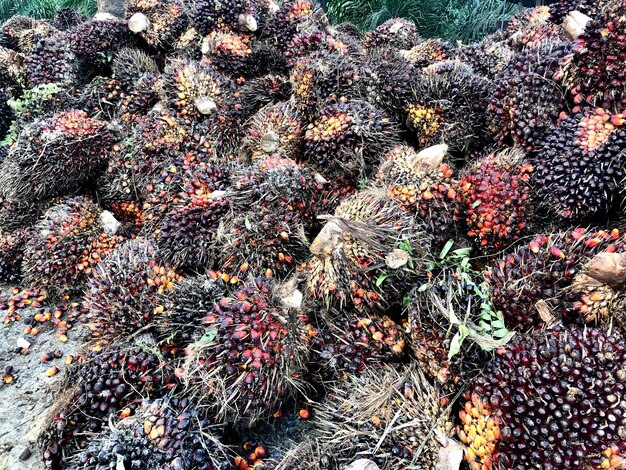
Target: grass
(43, 8)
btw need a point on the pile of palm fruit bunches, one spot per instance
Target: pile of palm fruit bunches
(298, 245)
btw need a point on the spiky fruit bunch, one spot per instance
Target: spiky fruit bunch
(310, 42)
(51, 61)
(391, 415)
(347, 138)
(528, 99)
(188, 303)
(560, 9)
(27, 39)
(122, 293)
(487, 57)
(197, 90)
(15, 25)
(165, 434)
(159, 22)
(229, 52)
(274, 131)
(67, 18)
(494, 194)
(531, 27)
(428, 52)
(6, 115)
(597, 71)
(551, 400)
(286, 23)
(580, 166)
(11, 254)
(248, 361)
(367, 254)
(14, 214)
(449, 105)
(263, 91)
(223, 15)
(396, 32)
(142, 97)
(93, 39)
(544, 270)
(423, 184)
(348, 343)
(12, 71)
(106, 381)
(388, 79)
(55, 156)
(65, 246)
(323, 78)
(130, 65)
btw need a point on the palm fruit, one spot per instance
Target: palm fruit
(141, 98)
(12, 71)
(188, 303)
(321, 78)
(390, 415)
(347, 138)
(262, 91)
(531, 27)
(350, 35)
(105, 381)
(228, 52)
(55, 156)
(528, 99)
(487, 57)
(266, 60)
(306, 43)
(94, 39)
(11, 254)
(122, 293)
(367, 254)
(166, 433)
(65, 246)
(396, 32)
(210, 16)
(28, 38)
(287, 22)
(448, 105)
(130, 65)
(14, 25)
(159, 22)
(423, 185)
(545, 270)
(51, 61)
(253, 350)
(6, 115)
(560, 9)
(580, 166)
(66, 19)
(494, 193)
(274, 131)
(428, 52)
(596, 73)
(551, 400)
(388, 79)
(345, 342)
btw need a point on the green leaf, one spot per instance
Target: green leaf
(457, 341)
(462, 252)
(446, 249)
(406, 301)
(476, 204)
(424, 287)
(209, 335)
(381, 279)
(247, 223)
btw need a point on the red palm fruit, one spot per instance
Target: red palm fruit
(228, 52)
(51, 61)
(531, 27)
(428, 52)
(309, 42)
(93, 39)
(286, 23)
(494, 194)
(159, 22)
(210, 16)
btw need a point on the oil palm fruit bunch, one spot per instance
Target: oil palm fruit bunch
(12, 70)
(423, 185)
(532, 26)
(560, 9)
(188, 303)
(210, 16)
(67, 18)
(528, 98)
(580, 166)
(130, 65)
(274, 131)
(368, 254)
(228, 52)
(51, 61)
(141, 98)
(266, 59)
(262, 91)
(495, 193)
(448, 106)
(94, 39)
(66, 245)
(396, 32)
(166, 433)
(321, 79)
(6, 115)
(159, 23)
(15, 25)
(387, 80)
(346, 139)
(287, 22)
(55, 156)
(545, 269)
(105, 382)
(396, 402)
(26, 39)
(428, 52)
(309, 42)
(596, 73)
(541, 403)
(123, 291)
(487, 57)
(346, 343)
(255, 346)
